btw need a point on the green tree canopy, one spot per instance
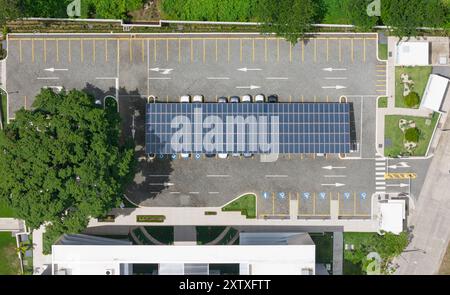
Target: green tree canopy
(412, 99)
(62, 162)
(290, 19)
(412, 135)
(9, 10)
(356, 11)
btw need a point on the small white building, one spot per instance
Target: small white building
(413, 54)
(392, 216)
(434, 93)
(257, 254)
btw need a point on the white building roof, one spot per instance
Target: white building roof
(392, 216)
(263, 259)
(413, 54)
(434, 92)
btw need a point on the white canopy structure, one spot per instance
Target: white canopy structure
(434, 93)
(413, 54)
(392, 216)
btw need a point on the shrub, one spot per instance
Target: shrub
(412, 135)
(150, 218)
(412, 99)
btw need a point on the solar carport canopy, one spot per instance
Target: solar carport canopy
(247, 128)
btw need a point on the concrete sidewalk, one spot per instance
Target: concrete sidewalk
(11, 224)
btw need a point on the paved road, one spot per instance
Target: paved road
(431, 219)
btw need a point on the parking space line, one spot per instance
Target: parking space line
(20, 50)
(154, 49)
(45, 51)
(25, 102)
(143, 50)
(106, 50)
(32, 50)
(130, 49)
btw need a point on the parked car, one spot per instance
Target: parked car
(260, 98)
(246, 98)
(197, 98)
(222, 155)
(248, 155)
(234, 99)
(272, 98)
(185, 99)
(185, 155)
(222, 99)
(210, 155)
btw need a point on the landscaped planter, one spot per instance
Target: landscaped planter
(150, 218)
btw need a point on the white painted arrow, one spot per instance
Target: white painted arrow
(53, 70)
(333, 184)
(334, 87)
(399, 165)
(169, 184)
(331, 69)
(247, 69)
(332, 167)
(398, 185)
(163, 71)
(248, 87)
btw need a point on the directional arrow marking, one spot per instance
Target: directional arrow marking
(398, 185)
(334, 87)
(399, 165)
(162, 71)
(332, 167)
(333, 184)
(53, 70)
(247, 69)
(248, 87)
(331, 69)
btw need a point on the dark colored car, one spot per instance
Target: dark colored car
(234, 99)
(272, 98)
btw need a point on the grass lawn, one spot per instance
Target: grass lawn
(383, 51)
(395, 135)
(164, 234)
(335, 13)
(5, 211)
(324, 247)
(420, 77)
(9, 262)
(445, 266)
(382, 102)
(246, 204)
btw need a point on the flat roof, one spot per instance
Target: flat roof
(248, 128)
(392, 216)
(413, 54)
(96, 259)
(434, 92)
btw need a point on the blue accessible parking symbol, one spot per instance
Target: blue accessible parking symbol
(323, 195)
(197, 156)
(363, 196)
(174, 156)
(306, 195)
(265, 195)
(347, 196)
(161, 156)
(282, 195)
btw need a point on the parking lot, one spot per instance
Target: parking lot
(131, 67)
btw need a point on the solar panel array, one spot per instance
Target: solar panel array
(301, 128)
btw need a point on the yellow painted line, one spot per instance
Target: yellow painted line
(204, 51)
(240, 50)
(154, 50)
(382, 80)
(25, 102)
(20, 50)
(381, 75)
(381, 66)
(143, 50)
(167, 98)
(327, 98)
(57, 50)
(380, 85)
(278, 50)
(70, 51)
(302, 98)
(340, 51)
(290, 98)
(106, 50)
(45, 51)
(130, 49)
(315, 50)
(81, 50)
(32, 51)
(93, 50)
(167, 50)
(303, 50)
(383, 71)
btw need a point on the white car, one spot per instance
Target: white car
(197, 98)
(185, 98)
(246, 98)
(222, 155)
(260, 98)
(185, 155)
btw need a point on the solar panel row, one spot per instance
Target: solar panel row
(248, 127)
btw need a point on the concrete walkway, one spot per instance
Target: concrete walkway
(11, 224)
(41, 263)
